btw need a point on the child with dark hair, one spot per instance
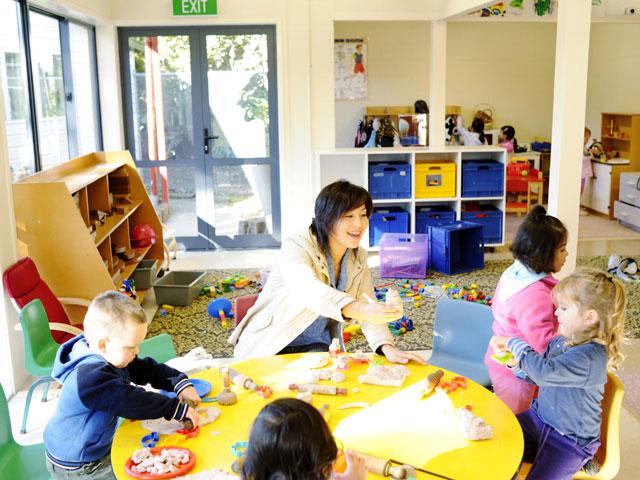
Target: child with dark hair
(522, 305)
(562, 429)
(475, 136)
(290, 440)
(507, 138)
(321, 282)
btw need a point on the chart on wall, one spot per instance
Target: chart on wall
(350, 68)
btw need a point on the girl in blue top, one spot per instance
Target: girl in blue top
(562, 428)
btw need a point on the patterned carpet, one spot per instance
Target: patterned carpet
(192, 326)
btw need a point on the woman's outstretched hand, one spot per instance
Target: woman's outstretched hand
(375, 312)
(396, 355)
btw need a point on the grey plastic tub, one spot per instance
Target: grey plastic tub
(178, 288)
(145, 273)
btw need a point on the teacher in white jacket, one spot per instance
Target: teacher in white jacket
(319, 283)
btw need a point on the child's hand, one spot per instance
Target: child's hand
(189, 396)
(193, 416)
(356, 468)
(499, 345)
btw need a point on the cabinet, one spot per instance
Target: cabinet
(352, 164)
(55, 210)
(627, 209)
(620, 132)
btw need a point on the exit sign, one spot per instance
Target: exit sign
(195, 7)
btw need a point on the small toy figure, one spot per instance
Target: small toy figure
(334, 348)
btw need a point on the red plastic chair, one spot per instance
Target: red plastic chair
(23, 283)
(242, 304)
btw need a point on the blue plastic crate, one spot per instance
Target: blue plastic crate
(456, 248)
(483, 178)
(387, 220)
(433, 215)
(390, 180)
(490, 217)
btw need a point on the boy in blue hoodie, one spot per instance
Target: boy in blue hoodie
(97, 371)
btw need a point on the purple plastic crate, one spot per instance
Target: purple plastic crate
(404, 255)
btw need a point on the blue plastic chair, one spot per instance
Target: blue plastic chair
(461, 333)
(18, 461)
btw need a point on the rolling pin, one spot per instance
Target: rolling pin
(383, 467)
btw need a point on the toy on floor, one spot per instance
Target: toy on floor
(128, 288)
(400, 327)
(222, 309)
(349, 331)
(470, 294)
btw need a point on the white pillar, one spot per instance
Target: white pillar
(12, 373)
(437, 82)
(569, 104)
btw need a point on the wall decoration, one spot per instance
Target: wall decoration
(350, 68)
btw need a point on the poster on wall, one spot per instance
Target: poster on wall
(350, 68)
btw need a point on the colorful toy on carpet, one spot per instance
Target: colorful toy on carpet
(236, 282)
(471, 293)
(400, 327)
(221, 308)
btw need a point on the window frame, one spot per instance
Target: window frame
(24, 30)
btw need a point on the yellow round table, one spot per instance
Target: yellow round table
(398, 424)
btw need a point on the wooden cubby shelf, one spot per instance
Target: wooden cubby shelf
(54, 213)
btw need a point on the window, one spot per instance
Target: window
(52, 114)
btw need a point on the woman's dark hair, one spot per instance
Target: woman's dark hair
(510, 133)
(289, 440)
(478, 126)
(332, 202)
(420, 106)
(537, 240)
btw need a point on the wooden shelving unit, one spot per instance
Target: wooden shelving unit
(619, 131)
(53, 219)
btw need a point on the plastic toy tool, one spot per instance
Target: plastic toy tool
(502, 359)
(433, 379)
(393, 469)
(226, 397)
(249, 384)
(321, 389)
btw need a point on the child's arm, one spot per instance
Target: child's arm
(103, 388)
(571, 368)
(147, 370)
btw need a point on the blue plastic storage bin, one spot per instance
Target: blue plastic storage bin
(387, 220)
(404, 255)
(390, 180)
(483, 178)
(456, 248)
(433, 215)
(490, 217)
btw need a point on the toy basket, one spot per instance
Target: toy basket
(486, 113)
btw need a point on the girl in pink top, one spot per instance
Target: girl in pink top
(507, 138)
(522, 305)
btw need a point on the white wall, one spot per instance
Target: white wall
(398, 73)
(508, 65)
(614, 72)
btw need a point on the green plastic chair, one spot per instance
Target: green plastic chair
(39, 350)
(160, 348)
(17, 461)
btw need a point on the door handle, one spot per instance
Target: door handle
(207, 138)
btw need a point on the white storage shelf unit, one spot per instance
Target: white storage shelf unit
(352, 164)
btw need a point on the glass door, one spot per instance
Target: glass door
(201, 124)
(240, 138)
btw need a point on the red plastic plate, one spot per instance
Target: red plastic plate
(182, 470)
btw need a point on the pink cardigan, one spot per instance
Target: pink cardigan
(528, 315)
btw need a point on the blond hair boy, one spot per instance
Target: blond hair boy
(97, 370)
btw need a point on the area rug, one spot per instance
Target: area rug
(192, 326)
